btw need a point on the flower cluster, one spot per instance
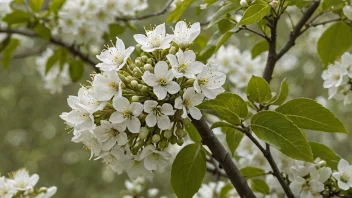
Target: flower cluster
(84, 21)
(21, 184)
(338, 79)
(134, 109)
(138, 188)
(57, 77)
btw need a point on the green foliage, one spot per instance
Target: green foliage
(55, 5)
(115, 29)
(251, 171)
(8, 51)
(223, 12)
(214, 44)
(53, 59)
(308, 114)
(224, 26)
(327, 4)
(76, 69)
(335, 41)
(188, 171)
(17, 17)
(225, 190)
(298, 3)
(260, 186)
(192, 131)
(280, 97)
(255, 13)
(275, 129)
(36, 5)
(227, 106)
(221, 124)
(325, 153)
(42, 31)
(259, 48)
(258, 90)
(233, 138)
(176, 14)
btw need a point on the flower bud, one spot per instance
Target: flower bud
(138, 47)
(180, 141)
(143, 133)
(322, 163)
(134, 83)
(168, 134)
(150, 61)
(144, 58)
(163, 143)
(144, 89)
(135, 98)
(173, 50)
(142, 117)
(148, 67)
(138, 63)
(244, 3)
(156, 138)
(274, 3)
(173, 139)
(180, 132)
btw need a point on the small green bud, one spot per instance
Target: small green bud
(274, 3)
(322, 163)
(180, 141)
(138, 71)
(180, 133)
(142, 117)
(148, 67)
(143, 133)
(138, 63)
(156, 138)
(168, 134)
(173, 50)
(144, 89)
(144, 58)
(173, 140)
(150, 61)
(135, 98)
(163, 144)
(134, 83)
(138, 47)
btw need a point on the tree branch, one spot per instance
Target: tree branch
(55, 41)
(224, 158)
(157, 13)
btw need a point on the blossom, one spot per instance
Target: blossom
(109, 135)
(107, 85)
(209, 82)
(185, 64)
(346, 62)
(161, 80)
(344, 175)
(23, 181)
(154, 159)
(188, 102)
(126, 114)
(302, 188)
(49, 192)
(114, 58)
(137, 169)
(347, 11)
(129, 7)
(158, 114)
(154, 39)
(7, 189)
(184, 35)
(90, 141)
(333, 76)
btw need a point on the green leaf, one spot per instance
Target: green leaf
(280, 97)
(36, 5)
(298, 3)
(225, 190)
(258, 90)
(214, 44)
(115, 29)
(251, 171)
(327, 4)
(55, 5)
(222, 13)
(260, 186)
(308, 114)
(76, 70)
(227, 106)
(176, 14)
(275, 129)
(335, 41)
(221, 124)
(225, 25)
(259, 48)
(325, 153)
(42, 31)
(188, 171)
(254, 13)
(8, 51)
(17, 17)
(192, 131)
(52, 60)
(233, 138)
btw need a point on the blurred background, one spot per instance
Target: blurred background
(33, 136)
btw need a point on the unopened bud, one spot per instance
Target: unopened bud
(143, 133)
(322, 163)
(173, 50)
(138, 63)
(156, 138)
(163, 144)
(150, 61)
(180, 132)
(144, 58)
(244, 3)
(144, 89)
(138, 47)
(180, 141)
(135, 98)
(168, 134)
(173, 140)
(142, 117)
(148, 67)
(134, 83)
(274, 3)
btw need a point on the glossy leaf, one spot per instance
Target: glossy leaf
(251, 171)
(222, 13)
(42, 31)
(260, 186)
(192, 131)
(55, 5)
(36, 5)
(325, 153)
(176, 14)
(259, 48)
(76, 70)
(17, 17)
(8, 51)
(258, 90)
(280, 97)
(233, 138)
(254, 13)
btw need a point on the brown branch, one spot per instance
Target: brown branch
(224, 158)
(56, 41)
(157, 13)
(254, 32)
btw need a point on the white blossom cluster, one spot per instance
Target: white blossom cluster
(84, 21)
(21, 184)
(57, 77)
(138, 188)
(134, 109)
(338, 79)
(213, 189)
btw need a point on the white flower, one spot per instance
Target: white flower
(185, 64)
(161, 80)
(137, 169)
(333, 76)
(301, 188)
(48, 193)
(155, 39)
(129, 7)
(22, 180)
(109, 135)
(114, 58)
(107, 85)
(344, 175)
(90, 141)
(184, 35)
(126, 114)
(347, 11)
(79, 118)
(153, 192)
(188, 102)
(209, 82)
(346, 62)
(7, 189)
(158, 114)
(154, 159)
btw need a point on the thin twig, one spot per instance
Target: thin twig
(255, 32)
(157, 13)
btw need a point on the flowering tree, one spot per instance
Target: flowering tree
(176, 86)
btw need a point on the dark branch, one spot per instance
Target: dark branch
(254, 32)
(55, 41)
(224, 158)
(157, 13)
